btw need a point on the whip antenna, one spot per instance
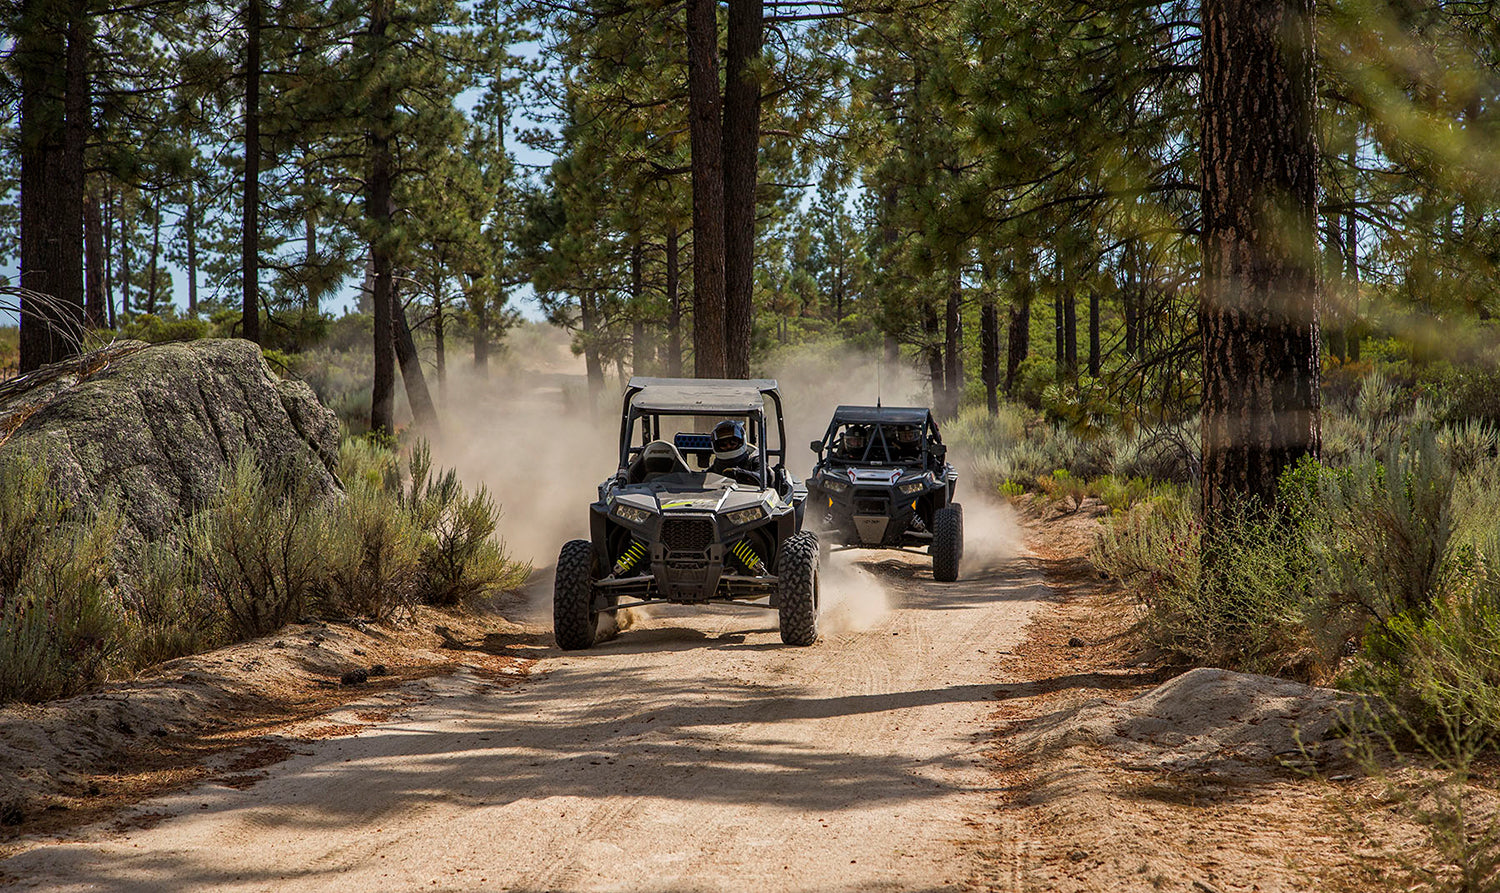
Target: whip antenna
(879, 362)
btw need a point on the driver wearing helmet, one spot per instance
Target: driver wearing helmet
(854, 442)
(907, 441)
(732, 451)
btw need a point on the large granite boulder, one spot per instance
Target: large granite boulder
(152, 427)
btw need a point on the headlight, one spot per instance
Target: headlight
(631, 513)
(911, 487)
(746, 516)
(834, 485)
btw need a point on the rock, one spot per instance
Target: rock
(378, 670)
(152, 427)
(355, 677)
(1076, 642)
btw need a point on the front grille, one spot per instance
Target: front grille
(687, 535)
(870, 502)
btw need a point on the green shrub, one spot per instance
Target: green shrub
(260, 545)
(1381, 531)
(460, 557)
(172, 613)
(60, 628)
(374, 553)
(1248, 610)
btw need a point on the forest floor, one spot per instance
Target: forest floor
(695, 752)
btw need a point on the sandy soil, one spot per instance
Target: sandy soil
(693, 753)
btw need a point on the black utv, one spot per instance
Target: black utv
(668, 529)
(882, 481)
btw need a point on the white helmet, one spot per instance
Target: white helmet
(729, 440)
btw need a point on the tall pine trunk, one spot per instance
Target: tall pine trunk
(482, 334)
(1018, 339)
(1094, 333)
(439, 335)
(378, 211)
(109, 256)
(190, 231)
(705, 133)
(1059, 338)
(674, 307)
(932, 346)
(418, 397)
(1070, 331)
(953, 361)
(153, 278)
(51, 60)
(741, 144)
(989, 352)
(1259, 308)
(593, 366)
(93, 252)
(250, 211)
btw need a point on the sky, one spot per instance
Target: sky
(522, 299)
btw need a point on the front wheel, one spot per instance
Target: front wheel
(575, 623)
(797, 584)
(947, 542)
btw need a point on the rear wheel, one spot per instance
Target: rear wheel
(947, 542)
(575, 623)
(797, 602)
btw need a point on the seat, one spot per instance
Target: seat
(657, 458)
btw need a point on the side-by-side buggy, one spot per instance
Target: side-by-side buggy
(667, 528)
(882, 481)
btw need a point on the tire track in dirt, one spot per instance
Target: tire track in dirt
(695, 752)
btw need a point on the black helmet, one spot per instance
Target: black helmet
(906, 435)
(854, 438)
(729, 439)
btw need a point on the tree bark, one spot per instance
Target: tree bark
(741, 143)
(378, 210)
(438, 334)
(1018, 338)
(153, 278)
(705, 134)
(932, 346)
(674, 307)
(1094, 333)
(250, 212)
(1059, 333)
(109, 256)
(51, 58)
(1259, 308)
(592, 365)
(953, 363)
(191, 232)
(93, 245)
(127, 231)
(423, 411)
(640, 347)
(989, 351)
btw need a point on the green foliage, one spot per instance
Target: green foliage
(260, 546)
(166, 326)
(171, 613)
(1246, 607)
(373, 555)
(460, 557)
(60, 629)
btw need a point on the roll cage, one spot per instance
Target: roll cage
(648, 400)
(879, 449)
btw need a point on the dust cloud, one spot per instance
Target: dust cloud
(852, 599)
(527, 432)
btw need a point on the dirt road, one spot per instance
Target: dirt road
(693, 753)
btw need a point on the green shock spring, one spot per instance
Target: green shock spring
(748, 558)
(629, 558)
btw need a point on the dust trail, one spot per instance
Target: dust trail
(992, 533)
(527, 432)
(853, 598)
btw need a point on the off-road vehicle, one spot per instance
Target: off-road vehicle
(882, 481)
(664, 530)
